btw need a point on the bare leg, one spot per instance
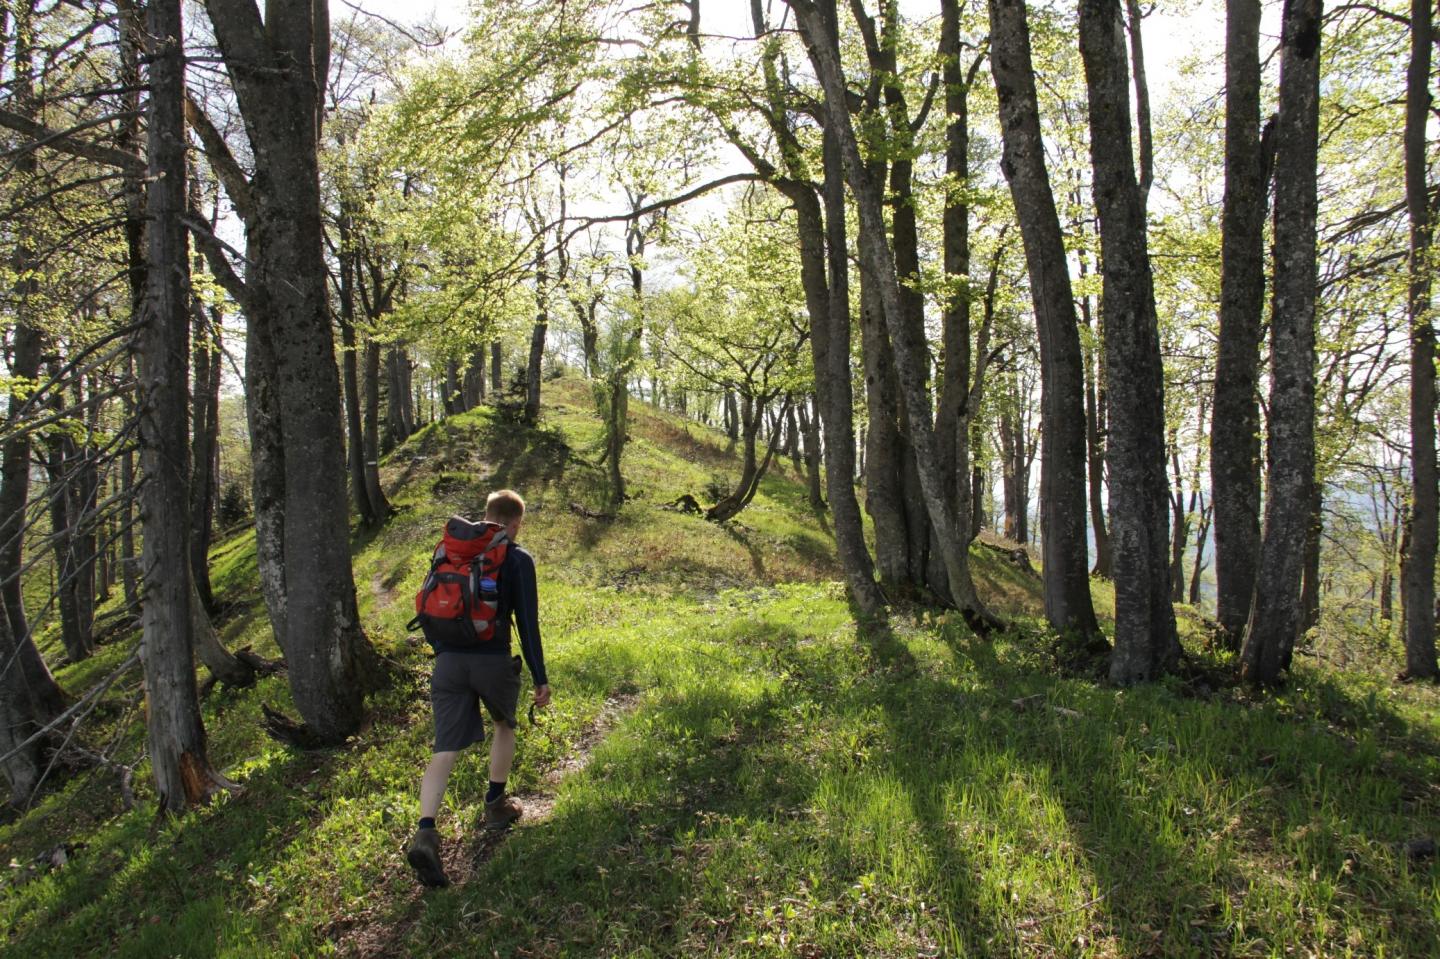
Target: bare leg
(437, 774)
(502, 752)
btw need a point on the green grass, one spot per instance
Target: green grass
(763, 780)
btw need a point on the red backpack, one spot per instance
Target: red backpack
(458, 602)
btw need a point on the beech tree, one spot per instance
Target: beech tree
(278, 66)
(178, 757)
(1420, 660)
(1235, 440)
(1275, 613)
(1146, 644)
(1068, 605)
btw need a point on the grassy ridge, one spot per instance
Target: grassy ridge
(762, 780)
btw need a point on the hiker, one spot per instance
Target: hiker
(468, 674)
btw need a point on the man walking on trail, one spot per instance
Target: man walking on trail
(464, 678)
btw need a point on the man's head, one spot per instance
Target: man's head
(506, 508)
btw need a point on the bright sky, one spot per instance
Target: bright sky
(1175, 30)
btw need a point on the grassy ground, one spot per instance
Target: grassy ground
(732, 769)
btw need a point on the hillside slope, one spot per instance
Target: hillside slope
(731, 769)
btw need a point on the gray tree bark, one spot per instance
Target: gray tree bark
(908, 343)
(1235, 438)
(1275, 611)
(204, 445)
(1420, 658)
(1068, 605)
(47, 699)
(375, 492)
(278, 68)
(1146, 643)
(18, 721)
(176, 741)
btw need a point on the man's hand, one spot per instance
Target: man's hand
(542, 696)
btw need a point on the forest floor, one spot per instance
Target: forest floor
(732, 767)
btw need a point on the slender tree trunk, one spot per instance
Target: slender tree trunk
(1310, 578)
(204, 447)
(61, 462)
(178, 758)
(1095, 430)
(1202, 535)
(349, 364)
(375, 493)
(810, 426)
(1068, 606)
(399, 421)
(131, 37)
(1146, 642)
(825, 276)
(453, 400)
(1235, 436)
(497, 378)
(1420, 657)
(1180, 526)
(1275, 608)
(47, 699)
(537, 342)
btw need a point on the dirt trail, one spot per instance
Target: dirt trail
(371, 933)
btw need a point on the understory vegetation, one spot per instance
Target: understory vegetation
(734, 766)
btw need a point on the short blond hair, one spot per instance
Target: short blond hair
(504, 506)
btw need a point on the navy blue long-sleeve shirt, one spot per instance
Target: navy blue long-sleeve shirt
(520, 602)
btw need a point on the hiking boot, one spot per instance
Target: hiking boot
(501, 813)
(424, 856)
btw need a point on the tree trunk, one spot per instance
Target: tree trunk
(1180, 526)
(375, 493)
(810, 426)
(537, 342)
(1146, 643)
(497, 379)
(47, 699)
(1015, 460)
(885, 452)
(1310, 576)
(349, 364)
(453, 400)
(18, 721)
(1202, 534)
(183, 776)
(1420, 656)
(1235, 436)
(278, 71)
(825, 277)
(224, 666)
(752, 414)
(1094, 360)
(205, 446)
(267, 458)
(1068, 606)
(61, 463)
(473, 383)
(1275, 608)
(399, 413)
(907, 342)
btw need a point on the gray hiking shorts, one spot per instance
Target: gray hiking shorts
(459, 683)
